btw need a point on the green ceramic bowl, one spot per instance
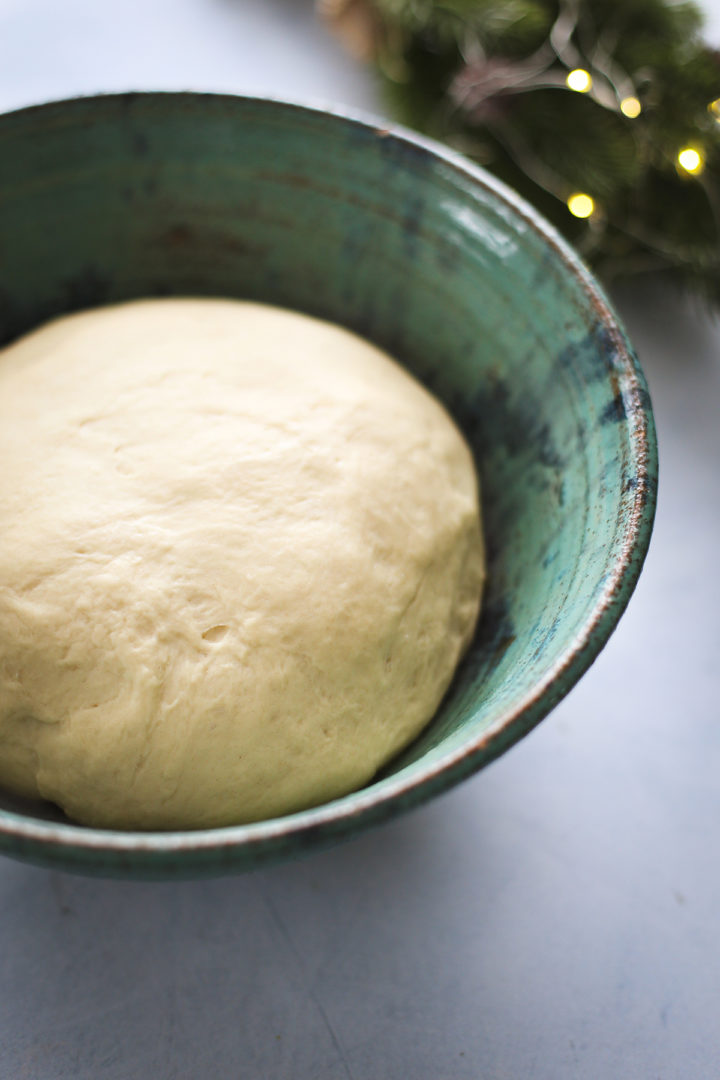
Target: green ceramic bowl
(107, 198)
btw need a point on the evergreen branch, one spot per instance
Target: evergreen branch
(614, 100)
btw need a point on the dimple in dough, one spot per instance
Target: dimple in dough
(240, 557)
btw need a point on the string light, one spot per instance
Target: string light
(626, 227)
(579, 79)
(690, 160)
(581, 205)
(630, 107)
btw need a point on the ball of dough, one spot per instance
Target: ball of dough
(240, 558)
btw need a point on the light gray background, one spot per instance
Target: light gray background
(557, 916)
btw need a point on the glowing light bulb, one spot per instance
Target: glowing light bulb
(581, 205)
(630, 107)
(714, 108)
(579, 79)
(690, 159)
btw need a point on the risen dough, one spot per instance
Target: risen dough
(240, 557)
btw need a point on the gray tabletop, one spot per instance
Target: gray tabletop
(557, 916)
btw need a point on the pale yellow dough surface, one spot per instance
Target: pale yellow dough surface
(240, 557)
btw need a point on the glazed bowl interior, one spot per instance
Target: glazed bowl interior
(110, 198)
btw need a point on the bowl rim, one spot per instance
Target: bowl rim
(74, 846)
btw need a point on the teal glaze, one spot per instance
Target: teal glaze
(113, 197)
